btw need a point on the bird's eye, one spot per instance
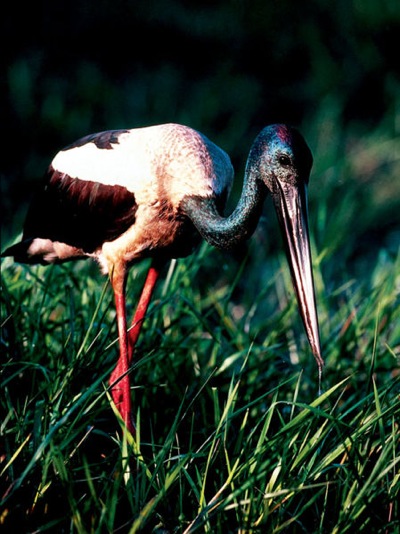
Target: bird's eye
(284, 160)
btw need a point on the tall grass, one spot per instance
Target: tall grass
(232, 435)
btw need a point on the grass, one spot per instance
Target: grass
(232, 435)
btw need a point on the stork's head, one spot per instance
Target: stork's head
(280, 155)
(282, 160)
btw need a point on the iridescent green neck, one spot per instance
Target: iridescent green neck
(228, 232)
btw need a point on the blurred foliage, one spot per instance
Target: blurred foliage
(226, 68)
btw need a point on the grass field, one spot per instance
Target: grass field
(232, 435)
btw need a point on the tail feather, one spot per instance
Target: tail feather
(33, 250)
(43, 251)
(19, 251)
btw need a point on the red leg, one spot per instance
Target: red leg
(119, 380)
(143, 304)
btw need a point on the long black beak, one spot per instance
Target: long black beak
(291, 206)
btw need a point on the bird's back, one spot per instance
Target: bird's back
(97, 188)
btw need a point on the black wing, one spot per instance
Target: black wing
(80, 213)
(103, 140)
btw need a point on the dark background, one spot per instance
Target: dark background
(225, 68)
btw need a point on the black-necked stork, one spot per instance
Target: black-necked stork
(122, 195)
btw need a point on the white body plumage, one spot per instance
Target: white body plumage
(141, 175)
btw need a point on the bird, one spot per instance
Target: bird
(120, 196)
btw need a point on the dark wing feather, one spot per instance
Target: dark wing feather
(103, 140)
(80, 213)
